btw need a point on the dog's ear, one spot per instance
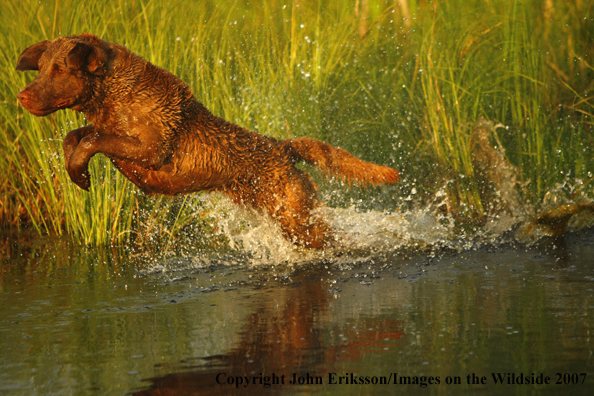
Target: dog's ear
(29, 59)
(87, 57)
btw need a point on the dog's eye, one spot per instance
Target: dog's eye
(59, 70)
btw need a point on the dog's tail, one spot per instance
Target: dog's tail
(336, 161)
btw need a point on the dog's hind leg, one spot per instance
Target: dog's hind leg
(291, 203)
(311, 232)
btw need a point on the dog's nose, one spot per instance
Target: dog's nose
(24, 97)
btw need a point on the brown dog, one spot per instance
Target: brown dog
(161, 138)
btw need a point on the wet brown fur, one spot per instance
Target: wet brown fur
(160, 137)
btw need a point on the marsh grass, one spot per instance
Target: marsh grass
(399, 91)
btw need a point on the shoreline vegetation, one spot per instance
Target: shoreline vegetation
(443, 91)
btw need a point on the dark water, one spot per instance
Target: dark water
(82, 321)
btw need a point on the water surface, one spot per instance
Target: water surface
(98, 321)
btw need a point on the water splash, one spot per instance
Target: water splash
(253, 239)
(256, 240)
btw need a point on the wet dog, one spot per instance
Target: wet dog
(159, 136)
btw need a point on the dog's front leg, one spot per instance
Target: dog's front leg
(150, 182)
(72, 139)
(114, 146)
(170, 180)
(78, 157)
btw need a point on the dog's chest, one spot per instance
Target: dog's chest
(129, 120)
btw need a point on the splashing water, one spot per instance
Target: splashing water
(256, 240)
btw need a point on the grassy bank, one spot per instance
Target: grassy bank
(397, 85)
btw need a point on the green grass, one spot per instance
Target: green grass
(400, 92)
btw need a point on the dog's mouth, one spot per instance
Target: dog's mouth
(64, 103)
(43, 112)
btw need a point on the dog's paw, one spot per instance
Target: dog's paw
(84, 184)
(81, 179)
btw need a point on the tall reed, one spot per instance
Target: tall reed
(398, 85)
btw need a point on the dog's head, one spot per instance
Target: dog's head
(65, 66)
